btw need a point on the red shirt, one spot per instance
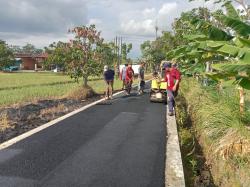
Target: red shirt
(171, 77)
(129, 74)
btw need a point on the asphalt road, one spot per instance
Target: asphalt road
(113, 144)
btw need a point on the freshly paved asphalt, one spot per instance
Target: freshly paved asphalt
(113, 144)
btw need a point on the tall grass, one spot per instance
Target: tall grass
(215, 111)
(221, 130)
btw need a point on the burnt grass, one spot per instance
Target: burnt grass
(197, 172)
(28, 116)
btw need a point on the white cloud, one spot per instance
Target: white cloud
(95, 21)
(38, 41)
(149, 12)
(168, 8)
(145, 27)
(42, 22)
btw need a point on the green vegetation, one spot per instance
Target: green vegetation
(212, 47)
(27, 49)
(6, 55)
(17, 88)
(86, 54)
(213, 118)
(17, 80)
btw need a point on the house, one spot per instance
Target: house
(31, 61)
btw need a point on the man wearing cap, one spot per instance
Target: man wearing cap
(173, 79)
(109, 80)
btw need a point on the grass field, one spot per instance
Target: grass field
(16, 88)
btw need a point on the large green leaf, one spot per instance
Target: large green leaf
(240, 27)
(232, 67)
(219, 75)
(231, 12)
(198, 37)
(215, 44)
(242, 42)
(180, 50)
(244, 82)
(210, 31)
(229, 50)
(245, 58)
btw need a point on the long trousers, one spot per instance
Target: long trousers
(171, 101)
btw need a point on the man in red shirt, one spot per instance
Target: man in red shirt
(129, 78)
(172, 77)
(177, 74)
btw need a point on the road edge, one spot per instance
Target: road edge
(174, 174)
(51, 123)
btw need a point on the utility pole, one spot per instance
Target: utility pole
(119, 48)
(116, 50)
(156, 30)
(118, 42)
(121, 52)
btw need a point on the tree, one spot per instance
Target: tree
(83, 56)
(105, 53)
(242, 3)
(83, 53)
(16, 49)
(31, 49)
(126, 48)
(227, 46)
(57, 55)
(6, 55)
(154, 52)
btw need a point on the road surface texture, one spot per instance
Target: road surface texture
(112, 144)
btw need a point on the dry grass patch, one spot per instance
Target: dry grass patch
(81, 93)
(232, 145)
(4, 122)
(57, 109)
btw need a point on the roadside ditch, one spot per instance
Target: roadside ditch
(196, 168)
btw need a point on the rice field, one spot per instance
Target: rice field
(16, 88)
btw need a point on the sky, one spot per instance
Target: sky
(42, 22)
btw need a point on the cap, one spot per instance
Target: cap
(167, 65)
(106, 68)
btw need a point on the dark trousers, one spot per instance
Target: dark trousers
(171, 101)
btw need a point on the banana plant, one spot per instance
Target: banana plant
(227, 47)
